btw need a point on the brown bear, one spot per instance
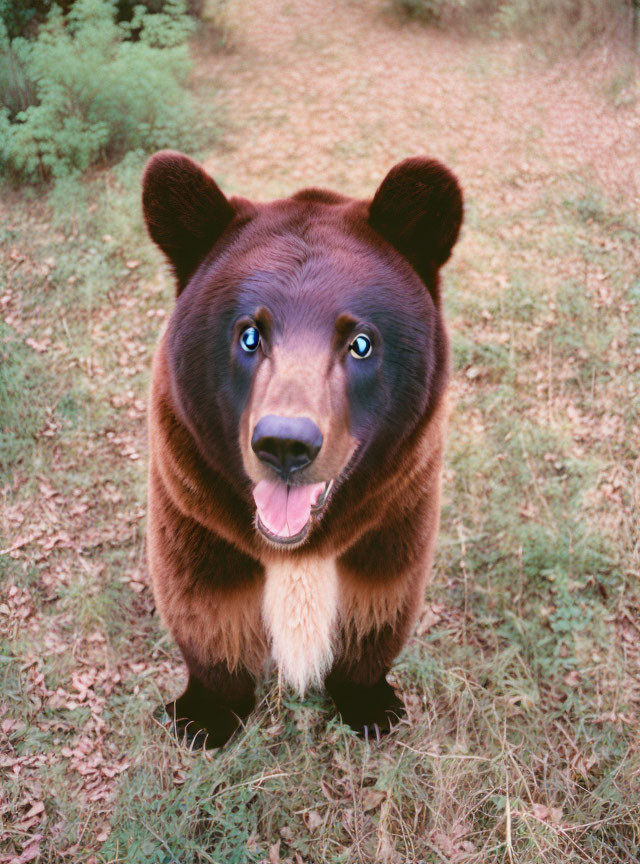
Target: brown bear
(296, 425)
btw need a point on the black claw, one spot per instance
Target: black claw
(377, 707)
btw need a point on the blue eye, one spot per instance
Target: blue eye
(360, 347)
(250, 339)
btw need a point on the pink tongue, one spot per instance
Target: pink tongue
(285, 510)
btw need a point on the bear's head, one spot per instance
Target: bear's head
(307, 342)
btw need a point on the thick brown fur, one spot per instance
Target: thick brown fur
(383, 436)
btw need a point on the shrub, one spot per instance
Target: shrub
(426, 10)
(20, 18)
(17, 91)
(579, 22)
(95, 92)
(583, 21)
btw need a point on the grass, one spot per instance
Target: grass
(522, 679)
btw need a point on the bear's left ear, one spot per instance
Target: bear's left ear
(418, 209)
(184, 209)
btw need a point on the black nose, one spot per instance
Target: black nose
(286, 443)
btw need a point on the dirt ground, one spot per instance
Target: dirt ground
(522, 681)
(333, 93)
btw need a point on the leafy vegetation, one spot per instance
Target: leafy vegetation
(17, 18)
(426, 10)
(84, 91)
(578, 23)
(22, 19)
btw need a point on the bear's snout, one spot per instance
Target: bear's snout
(287, 444)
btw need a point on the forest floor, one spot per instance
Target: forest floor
(522, 681)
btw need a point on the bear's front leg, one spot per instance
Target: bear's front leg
(358, 686)
(383, 578)
(214, 704)
(209, 595)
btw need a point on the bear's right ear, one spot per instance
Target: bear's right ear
(184, 209)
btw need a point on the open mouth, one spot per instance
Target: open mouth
(285, 513)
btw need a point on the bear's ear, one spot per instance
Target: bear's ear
(418, 209)
(184, 209)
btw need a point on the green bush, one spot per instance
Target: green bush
(19, 17)
(583, 21)
(17, 91)
(577, 21)
(22, 17)
(98, 88)
(426, 10)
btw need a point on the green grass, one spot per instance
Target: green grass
(521, 681)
